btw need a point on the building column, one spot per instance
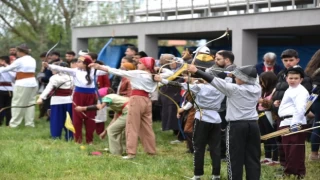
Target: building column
(165, 16)
(79, 44)
(244, 47)
(255, 8)
(148, 44)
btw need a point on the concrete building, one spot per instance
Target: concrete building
(246, 29)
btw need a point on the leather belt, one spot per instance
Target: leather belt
(285, 117)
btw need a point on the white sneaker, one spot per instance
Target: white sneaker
(196, 178)
(175, 142)
(128, 157)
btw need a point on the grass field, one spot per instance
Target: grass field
(29, 153)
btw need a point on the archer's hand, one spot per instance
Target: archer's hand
(157, 78)
(99, 106)
(95, 66)
(276, 103)
(181, 110)
(192, 68)
(156, 69)
(103, 134)
(80, 108)
(39, 101)
(45, 64)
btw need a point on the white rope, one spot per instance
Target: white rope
(228, 153)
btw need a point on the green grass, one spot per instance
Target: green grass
(29, 153)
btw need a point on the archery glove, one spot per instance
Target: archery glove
(222, 75)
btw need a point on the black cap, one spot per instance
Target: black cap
(297, 69)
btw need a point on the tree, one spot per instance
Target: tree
(38, 22)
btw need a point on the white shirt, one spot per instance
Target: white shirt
(208, 98)
(7, 77)
(294, 104)
(241, 99)
(62, 81)
(102, 114)
(25, 64)
(79, 75)
(139, 79)
(186, 105)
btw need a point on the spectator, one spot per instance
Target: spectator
(131, 51)
(187, 55)
(290, 58)
(269, 64)
(13, 51)
(70, 55)
(139, 55)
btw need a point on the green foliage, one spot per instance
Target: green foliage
(37, 23)
(29, 153)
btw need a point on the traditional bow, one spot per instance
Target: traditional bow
(192, 63)
(158, 87)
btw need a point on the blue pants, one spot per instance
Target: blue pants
(315, 139)
(57, 119)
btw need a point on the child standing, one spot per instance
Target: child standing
(124, 88)
(139, 119)
(60, 89)
(292, 110)
(243, 135)
(84, 94)
(207, 130)
(186, 114)
(6, 88)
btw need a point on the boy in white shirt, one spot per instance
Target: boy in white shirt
(292, 110)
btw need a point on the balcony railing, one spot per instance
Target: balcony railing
(99, 12)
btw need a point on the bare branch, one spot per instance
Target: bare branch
(21, 12)
(65, 10)
(13, 29)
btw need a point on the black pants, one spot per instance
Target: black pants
(224, 124)
(243, 145)
(156, 111)
(206, 133)
(270, 145)
(5, 101)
